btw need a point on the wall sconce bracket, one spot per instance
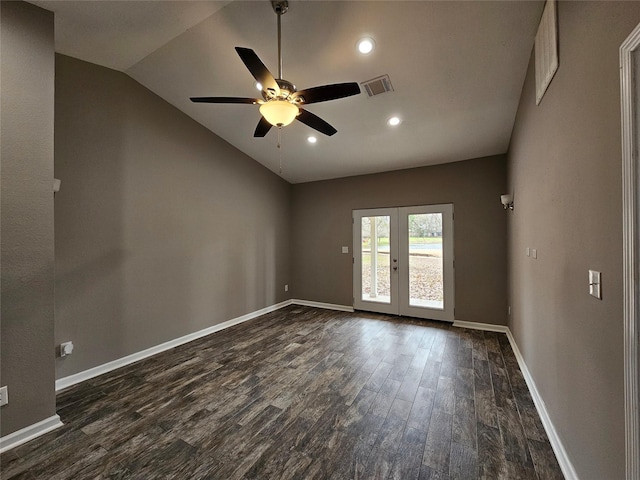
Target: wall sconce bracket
(507, 201)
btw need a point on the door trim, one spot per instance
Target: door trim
(630, 210)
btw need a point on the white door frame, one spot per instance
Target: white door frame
(630, 92)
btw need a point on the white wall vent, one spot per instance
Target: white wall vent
(378, 85)
(546, 49)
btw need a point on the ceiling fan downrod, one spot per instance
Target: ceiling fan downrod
(280, 7)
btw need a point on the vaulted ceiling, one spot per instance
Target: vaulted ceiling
(456, 68)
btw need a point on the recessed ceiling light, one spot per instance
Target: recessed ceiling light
(312, 139)
(366, 45)
(393, 121)
(259, 86)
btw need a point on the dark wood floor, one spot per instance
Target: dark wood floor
(303, 393)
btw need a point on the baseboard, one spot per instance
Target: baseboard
(29, 433)
(51, 423)
(74, 379)
(326, 306)
(488, 327)
(561, 454)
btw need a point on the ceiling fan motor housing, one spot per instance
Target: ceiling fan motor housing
(286, 90)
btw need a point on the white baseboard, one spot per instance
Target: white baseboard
(74, 379)
(326, 306)
(51, 423)
(561, 454)
(29, 433)
(488, 327)
(32, 431)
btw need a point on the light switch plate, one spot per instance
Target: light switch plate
(528, 250)
(534, 253)
(595, 285)
(345, 249)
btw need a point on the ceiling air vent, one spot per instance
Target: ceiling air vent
(378, 85)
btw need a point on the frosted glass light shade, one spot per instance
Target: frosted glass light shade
(279, 113)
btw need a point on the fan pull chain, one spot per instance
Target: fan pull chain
(280, 147)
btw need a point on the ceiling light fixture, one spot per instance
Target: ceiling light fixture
(312, 139)
(394, 121)
(259, 86)
(279, 113)
(366, 45)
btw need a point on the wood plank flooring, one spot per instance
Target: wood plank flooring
(303, 393)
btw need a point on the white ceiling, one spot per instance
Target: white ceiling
(457, 69)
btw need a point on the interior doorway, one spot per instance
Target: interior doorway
(403, 261)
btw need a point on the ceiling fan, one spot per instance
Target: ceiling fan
(281, 102)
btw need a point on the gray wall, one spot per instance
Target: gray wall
(565, 171)
(322, 224)
(27, 254)
(162, 228)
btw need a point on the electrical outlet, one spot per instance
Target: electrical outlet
(4, 396)
(286, 288)
(66, 348)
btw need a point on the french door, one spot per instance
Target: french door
(403, 261)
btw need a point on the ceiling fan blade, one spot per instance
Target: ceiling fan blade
(258, 70)
(250, 101)
(262, 128)
(315, 122)
(327, 92)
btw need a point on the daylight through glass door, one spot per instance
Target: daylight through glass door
(426, 276)
(376, 264)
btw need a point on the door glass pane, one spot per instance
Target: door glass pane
(376, 273)
(426, 279)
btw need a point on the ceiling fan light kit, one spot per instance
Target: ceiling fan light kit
(279, 113)
(281, 102)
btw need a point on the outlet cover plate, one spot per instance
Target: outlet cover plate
(4, 395)
(66, 348)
